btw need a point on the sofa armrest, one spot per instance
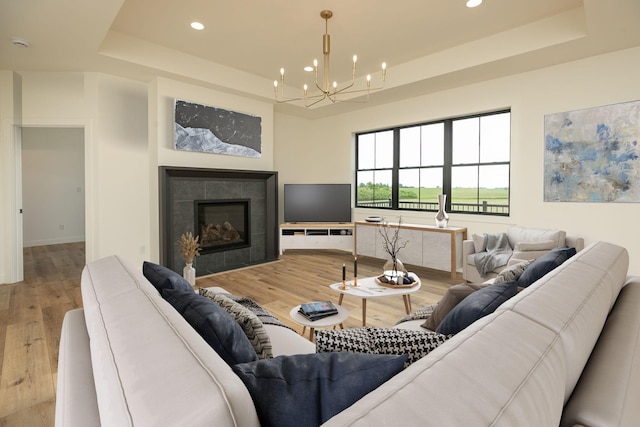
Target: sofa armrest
(467, 249)
(76, 401)
(608, 391)
(575, 242)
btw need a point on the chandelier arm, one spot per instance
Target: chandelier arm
(361, 90)
(337, 92)
(315, 102)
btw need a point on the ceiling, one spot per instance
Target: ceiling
(429, 45)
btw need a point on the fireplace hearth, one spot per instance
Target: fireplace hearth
(238, 226)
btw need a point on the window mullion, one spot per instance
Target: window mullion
(448, 160)
(395, 173)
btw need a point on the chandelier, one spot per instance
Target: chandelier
(326, 90)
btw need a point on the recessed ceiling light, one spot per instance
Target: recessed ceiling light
(197, 26)
(474, 3)
(20, 42)
(308, 68)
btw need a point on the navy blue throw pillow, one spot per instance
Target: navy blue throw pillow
(477, 305)
(214, 324)
(306, 390)
(164, 278)
(544, 264)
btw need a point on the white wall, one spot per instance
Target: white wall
(10, 222)
(120, 175)
(52, 185)
(113, 113)
(595, 81)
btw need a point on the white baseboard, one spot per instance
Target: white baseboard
(47, 242)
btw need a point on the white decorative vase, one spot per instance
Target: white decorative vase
(442, 219)
(189, 273)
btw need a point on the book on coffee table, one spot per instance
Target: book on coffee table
(317, 309)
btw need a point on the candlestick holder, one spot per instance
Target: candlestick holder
(355, 281)
(344, 285)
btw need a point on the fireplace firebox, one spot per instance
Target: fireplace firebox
(222, 224)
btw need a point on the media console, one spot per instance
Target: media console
(319, 235)
(427, 245)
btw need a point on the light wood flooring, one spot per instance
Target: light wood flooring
(31, 312)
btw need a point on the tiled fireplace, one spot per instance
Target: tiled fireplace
(235, 213)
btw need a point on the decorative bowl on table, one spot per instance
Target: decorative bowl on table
(406, 281)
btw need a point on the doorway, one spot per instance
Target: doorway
(53, 185)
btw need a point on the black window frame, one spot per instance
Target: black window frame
(480, 208)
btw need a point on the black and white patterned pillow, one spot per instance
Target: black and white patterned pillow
(248, 321)
(415, 344)
(512, 273)
(353, 340)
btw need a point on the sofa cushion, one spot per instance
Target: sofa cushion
(308, 389)
(250, 324)
(213, 324)
(543, 245)
(512, 273)
(163, 278)
(415, 344)
(528, 234)
(545, 264)
(451, 298)
(479, 242)
(476, 306)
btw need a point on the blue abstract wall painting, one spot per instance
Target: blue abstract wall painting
(216, 130)
(592, 155)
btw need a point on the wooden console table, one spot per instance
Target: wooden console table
(428, 246)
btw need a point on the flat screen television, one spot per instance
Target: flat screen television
(317, 203)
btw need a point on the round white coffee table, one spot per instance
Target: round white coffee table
(325, 322)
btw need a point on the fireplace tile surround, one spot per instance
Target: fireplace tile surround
(181, 187)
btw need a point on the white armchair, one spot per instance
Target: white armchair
(527, 244)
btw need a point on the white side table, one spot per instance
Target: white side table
(325, 322)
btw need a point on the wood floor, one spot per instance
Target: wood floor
(31, 312)
(31, 315)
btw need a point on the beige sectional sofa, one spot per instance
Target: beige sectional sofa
(565, 351)
(527, 243)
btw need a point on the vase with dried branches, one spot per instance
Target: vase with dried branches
(393, 269)
(189, 249)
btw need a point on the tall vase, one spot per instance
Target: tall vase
(442, 219)
(189, 273)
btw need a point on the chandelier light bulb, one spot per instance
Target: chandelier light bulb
(384, 65)
(368, 78)
(275, 84)
(282, 71)
(315, 63)
(355, 58)
(335, 85)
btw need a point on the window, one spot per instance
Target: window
(468, 159)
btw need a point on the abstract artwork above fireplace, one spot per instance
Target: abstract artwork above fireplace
(216, 130)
